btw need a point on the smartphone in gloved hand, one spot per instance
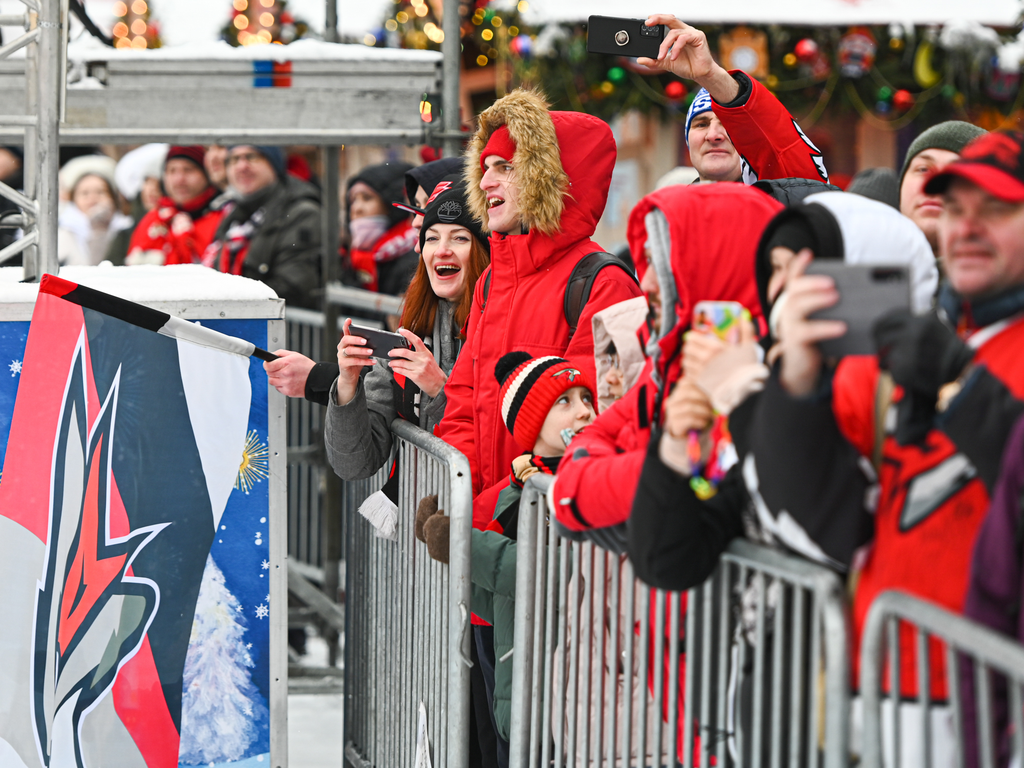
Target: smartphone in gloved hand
(866, 293)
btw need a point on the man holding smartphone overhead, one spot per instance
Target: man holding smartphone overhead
(736, 129)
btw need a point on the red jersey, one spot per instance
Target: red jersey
(931, 504)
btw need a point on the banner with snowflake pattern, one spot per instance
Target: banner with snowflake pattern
(134, 546)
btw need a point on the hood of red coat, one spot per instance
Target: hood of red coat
(713, 232)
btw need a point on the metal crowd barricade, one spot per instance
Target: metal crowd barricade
(306, 461)
(407, 636)
(306, 465)
(996, 680)
(604, 668)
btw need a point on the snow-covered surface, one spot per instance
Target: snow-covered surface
(314, 731)
(145, 284)
(817, 13)
(90, 49)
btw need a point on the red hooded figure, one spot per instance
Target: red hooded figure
(710, 233)
(563, 165)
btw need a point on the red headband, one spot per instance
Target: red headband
(499, 144)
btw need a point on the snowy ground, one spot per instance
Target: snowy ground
(315, 720)
(314, 731)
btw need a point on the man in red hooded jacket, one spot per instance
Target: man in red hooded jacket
(538, 180)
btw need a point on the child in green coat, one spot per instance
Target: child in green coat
(545, 401)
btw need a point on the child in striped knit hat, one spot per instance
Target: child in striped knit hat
(545, 402)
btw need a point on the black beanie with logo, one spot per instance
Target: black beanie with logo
(447, 205)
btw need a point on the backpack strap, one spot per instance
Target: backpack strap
(883, 399)
(487, 289)
(581, 281)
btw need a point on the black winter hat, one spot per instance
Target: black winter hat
(388, 181)
(447, 205)
(805, 225)
(429, 174)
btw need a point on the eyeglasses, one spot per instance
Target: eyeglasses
(249, 157)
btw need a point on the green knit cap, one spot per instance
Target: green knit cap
(953, 135)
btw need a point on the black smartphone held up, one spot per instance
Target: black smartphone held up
(381, 342)
(623, 37)
(866, 293)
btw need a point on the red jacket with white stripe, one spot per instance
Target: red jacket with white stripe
(768, 139)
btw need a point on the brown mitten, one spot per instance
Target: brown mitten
(436, 531)
(426, 508)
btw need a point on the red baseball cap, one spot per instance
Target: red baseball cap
(994, 162)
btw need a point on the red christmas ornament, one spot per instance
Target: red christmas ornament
(903, 100)
(806, 50)
(675, 90)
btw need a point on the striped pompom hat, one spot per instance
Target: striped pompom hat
(529, 387)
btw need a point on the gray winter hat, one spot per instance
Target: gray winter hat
(953, 135)
(877, 184)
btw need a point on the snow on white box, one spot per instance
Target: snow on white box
(142, 532)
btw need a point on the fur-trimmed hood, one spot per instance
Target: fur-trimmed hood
(563, 164)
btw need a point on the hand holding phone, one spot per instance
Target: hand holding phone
(866, 293)
(379, 341)
(615, 36)
(354, 354)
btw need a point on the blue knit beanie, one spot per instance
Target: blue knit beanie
(701, 103)
(274, 156)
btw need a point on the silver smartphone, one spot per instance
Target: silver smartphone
(866, 293)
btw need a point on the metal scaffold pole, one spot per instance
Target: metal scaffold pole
(48, 66)
(451, 48)
(331, 22)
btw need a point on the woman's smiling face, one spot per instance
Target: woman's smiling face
(446, 253)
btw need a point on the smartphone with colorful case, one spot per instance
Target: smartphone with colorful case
(721, 318)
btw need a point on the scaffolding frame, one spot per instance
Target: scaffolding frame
(45, 44)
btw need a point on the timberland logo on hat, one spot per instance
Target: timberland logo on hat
(570, 373)
(442, 186)
(449, 211)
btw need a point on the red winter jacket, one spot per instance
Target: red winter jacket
(713, 231)
(767, 137)
(529, 272)
(933, 499)
(183, 239)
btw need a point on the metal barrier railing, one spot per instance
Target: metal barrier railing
(366, 301)
(965, 643)
(604, 673)
(306, 464)
(407, 635)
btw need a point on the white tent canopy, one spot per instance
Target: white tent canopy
(999, 13)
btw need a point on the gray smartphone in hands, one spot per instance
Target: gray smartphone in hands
(381, 342)
(866, 293)
(623, 37)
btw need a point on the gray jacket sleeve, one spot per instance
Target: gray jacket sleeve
(358, 435)
(433, 412)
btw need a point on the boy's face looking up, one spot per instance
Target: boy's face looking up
(574, 410)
